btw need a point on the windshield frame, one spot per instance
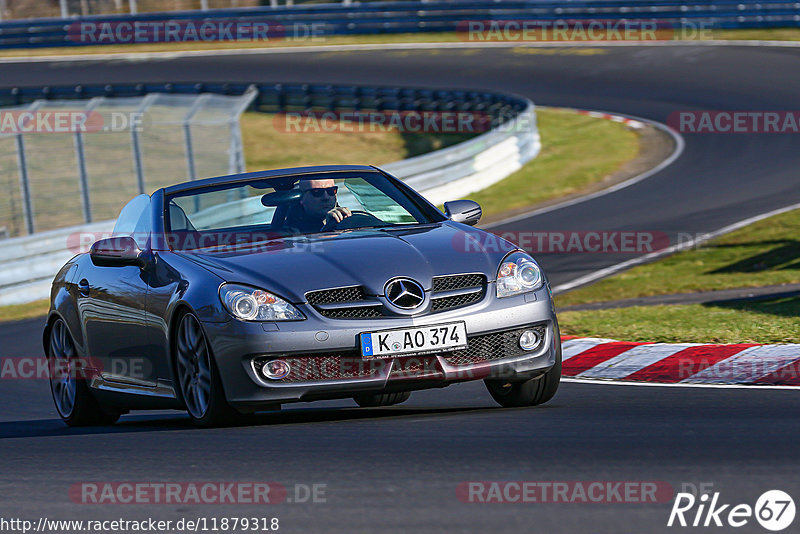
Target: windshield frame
(425, 209)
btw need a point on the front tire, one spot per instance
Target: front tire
(530, 392)
(199, 383)
(367, 400)
(74, 402)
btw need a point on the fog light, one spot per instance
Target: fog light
(529, 340)
(276, 369)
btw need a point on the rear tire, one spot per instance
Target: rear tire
(381, 399)
(530, 392)
(198, 378)
(74, 402)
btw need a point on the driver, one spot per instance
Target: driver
(320, 211)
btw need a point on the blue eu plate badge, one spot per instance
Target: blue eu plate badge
(366, 345)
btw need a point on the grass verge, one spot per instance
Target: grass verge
(772, 321)
(760, 254)
(764, 253)
(769, 34)
(433, 37)
(29, 310)
(269, 147)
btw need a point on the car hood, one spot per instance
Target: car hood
(291, 267)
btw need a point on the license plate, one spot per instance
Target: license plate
(418, 340)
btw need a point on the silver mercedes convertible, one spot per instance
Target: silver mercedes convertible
(233, 295)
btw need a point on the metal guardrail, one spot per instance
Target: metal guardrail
(28, 264)
(402, 17)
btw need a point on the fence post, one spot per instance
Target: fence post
(24, 185)
(187, 134)
(84, 178)
(80, 155)
(136, 147)
(24, 181)
(204, 5)
(64, 9)
(134, 8)
(236, 163)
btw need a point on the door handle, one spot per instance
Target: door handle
(83, 287)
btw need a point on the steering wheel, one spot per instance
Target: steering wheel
(357, 219)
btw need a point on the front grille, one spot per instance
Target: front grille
(314, 368)
(321, 301)
(448, 293)
(458, 281)
(468, 288)
(336, 295)
(360, 312)
(488, 347)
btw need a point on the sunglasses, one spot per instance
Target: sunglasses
(317, 192)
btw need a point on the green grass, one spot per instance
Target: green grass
(764, 253)
(778, 34)
(577, 151)
(268, 147)
(756, 322)
(771, 34)
(278, 43)
(16, 312)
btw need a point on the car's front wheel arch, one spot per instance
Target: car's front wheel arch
(217, 411)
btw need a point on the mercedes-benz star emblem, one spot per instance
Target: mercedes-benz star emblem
(405, 293)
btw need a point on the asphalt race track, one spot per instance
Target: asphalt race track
(397, 469)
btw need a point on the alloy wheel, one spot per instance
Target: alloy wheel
(194, 366)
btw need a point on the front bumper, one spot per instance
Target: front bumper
(324, 353)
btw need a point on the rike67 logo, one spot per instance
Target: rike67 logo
(774, 510)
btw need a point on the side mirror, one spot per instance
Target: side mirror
(116, 252)
(463, 211)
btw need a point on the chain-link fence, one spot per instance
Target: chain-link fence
(68, 162)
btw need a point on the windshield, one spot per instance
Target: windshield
(295, 206)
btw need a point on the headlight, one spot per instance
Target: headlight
(251, 304)
(518, 273)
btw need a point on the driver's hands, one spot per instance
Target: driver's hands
(337, 215)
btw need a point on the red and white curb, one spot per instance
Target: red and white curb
(627, 121)
(630, 123)
(681, 363)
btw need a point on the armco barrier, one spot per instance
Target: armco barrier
(402, 17)
(28, 264)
